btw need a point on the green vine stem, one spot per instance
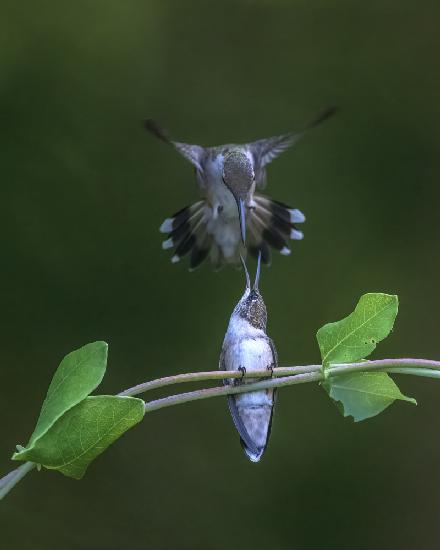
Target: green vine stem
(10, 480)
(296, 375)
(215, 375)
(281, 376)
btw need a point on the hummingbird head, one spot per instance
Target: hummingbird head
(251, 307)
(238, 176)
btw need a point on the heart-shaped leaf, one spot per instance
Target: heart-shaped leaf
(356, 336)
(365, 394)
(83, 433)
(78, 374)
(360, 395)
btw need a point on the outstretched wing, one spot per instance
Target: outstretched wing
(267, 149)
(192, 153)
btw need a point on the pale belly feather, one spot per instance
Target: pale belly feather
(252, 354)
(223, 224)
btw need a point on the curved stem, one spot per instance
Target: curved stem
(8, 481)
(427, 373)
(382, 364)
(215, 375)
(230, 390)
(282, 376)
(298, 375)
(420, 367)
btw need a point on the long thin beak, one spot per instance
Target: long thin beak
(257, 274)
(248, 281)
(242, 216)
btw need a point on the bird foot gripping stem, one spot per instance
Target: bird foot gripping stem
(238, 381)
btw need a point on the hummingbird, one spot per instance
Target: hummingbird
(247, 347)
(230, 210)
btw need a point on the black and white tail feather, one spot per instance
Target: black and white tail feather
(270, 224)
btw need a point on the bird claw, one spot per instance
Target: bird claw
(243, 372)
(270, 369)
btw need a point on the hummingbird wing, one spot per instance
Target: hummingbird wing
(193, 153)
(266, 150)
(269, 148)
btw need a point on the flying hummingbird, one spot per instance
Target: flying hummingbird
(230, 210)
(247, 347)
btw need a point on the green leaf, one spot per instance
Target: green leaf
(83, 433)
(364, 395)
(356, 336)
(360, 395)
(78, 374)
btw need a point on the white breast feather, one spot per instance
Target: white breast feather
(246, 346)
(225, 226)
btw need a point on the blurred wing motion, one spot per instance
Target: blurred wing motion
(267, 149)
(192, 153)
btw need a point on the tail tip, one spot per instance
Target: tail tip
(255, 453)
(296, 216)
(167, 226)
(167, 244)
(252, 456)
(296, 235)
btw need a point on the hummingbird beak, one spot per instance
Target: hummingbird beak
(242, 217)
(248, 280)
(257, 274)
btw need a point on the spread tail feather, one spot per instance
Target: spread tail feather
(187, 233)
(272, 224)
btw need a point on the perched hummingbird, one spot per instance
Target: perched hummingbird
(230, 209)
(247, 347)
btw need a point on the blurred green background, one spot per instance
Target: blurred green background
(84, 190)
